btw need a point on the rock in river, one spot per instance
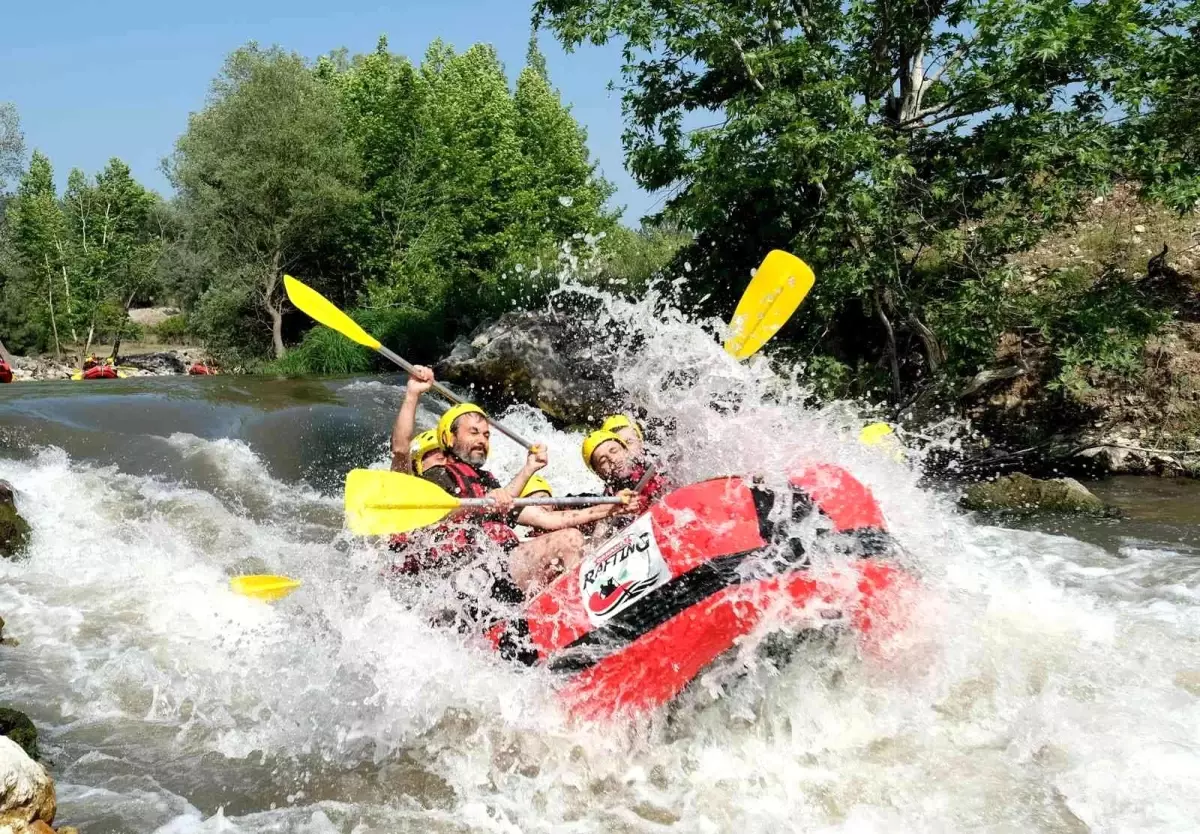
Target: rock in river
(14, 530)
(1025, 495)
(542, 357)
(17, 726)
(27, 800)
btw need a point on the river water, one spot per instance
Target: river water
(1049, 680)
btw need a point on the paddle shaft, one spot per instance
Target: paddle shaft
(445, 392)
(579, 501)
(650, 470)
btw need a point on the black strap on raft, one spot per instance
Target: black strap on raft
(687, 590)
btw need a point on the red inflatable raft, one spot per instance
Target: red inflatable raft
(100, 372)
(6, 374)
(654, 605)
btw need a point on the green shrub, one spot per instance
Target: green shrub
(416, 335)
(323, 352)
(172, 330)
(1098, 327)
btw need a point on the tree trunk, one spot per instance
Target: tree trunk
(934, 354)
(273, 306)
(893, 357)
(116, 351)
(87, 346)
(67, 289)
(276, 312)
(53, 322)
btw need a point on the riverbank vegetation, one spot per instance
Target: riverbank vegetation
(919, 158)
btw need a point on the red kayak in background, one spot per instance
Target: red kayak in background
(654, 605)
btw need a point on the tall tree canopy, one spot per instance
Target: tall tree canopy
(464, 178)
(264, 174)
(904, 149)
(421, 192)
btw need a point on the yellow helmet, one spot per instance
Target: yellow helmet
(536, 483)
(593, 440)
(620, 421)
(883, 436)
(423, 444)
(447, 422)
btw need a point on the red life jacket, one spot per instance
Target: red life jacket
(655, 488)
(452, 540)
(5, 372)
(476, 483)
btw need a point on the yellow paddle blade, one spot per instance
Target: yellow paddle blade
(874, 434)
(322, 310)
(379, 503)
(778, 288)
(263, 586)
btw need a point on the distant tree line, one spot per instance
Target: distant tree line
(424, 195)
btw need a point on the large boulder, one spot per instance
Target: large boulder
(17, 726)
(546, 358)
(14, 530)
(159, 364)
(27, 802)
(1024, 495)
(27, 368)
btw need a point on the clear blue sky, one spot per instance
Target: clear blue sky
(95, 79)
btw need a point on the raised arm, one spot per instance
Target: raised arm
(406, 420)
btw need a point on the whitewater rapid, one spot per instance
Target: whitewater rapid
(1044, 685)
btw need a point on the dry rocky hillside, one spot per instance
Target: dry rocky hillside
(1140, 412)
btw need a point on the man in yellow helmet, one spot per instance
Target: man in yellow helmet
(426, 451)
(608, 456)
(404, 447)
(629, 432)
(465, 435)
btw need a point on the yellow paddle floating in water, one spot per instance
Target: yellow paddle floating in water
(263, 586)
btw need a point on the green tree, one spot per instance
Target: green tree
(465, 181)
(1160, 94)
(113, 247)
(904, 150)
(264, 174)
(39, 232)
(564, 188)
(12, 145)
(398, 235)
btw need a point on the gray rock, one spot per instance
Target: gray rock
(545, 358)
(1024, 495)
(155, 363)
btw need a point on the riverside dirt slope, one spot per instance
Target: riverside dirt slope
(1143, 421)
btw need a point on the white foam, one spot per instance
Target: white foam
(1043, 684)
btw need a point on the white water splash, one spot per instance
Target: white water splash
(1044, 685)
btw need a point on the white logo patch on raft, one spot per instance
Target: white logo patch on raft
(624, 569)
